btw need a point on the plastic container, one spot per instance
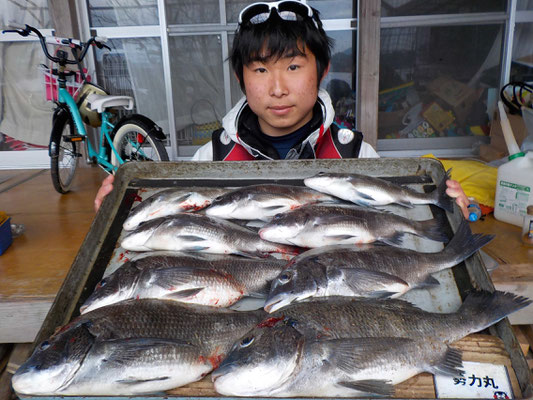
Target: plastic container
(527, 227)
(474, 211)
(6, 237)
(515, 179)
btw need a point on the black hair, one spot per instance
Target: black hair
(277, 38)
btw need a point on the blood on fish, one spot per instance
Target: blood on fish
(154, 213)
(270, 322)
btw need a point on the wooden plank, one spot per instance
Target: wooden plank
(522, 338)
(33, 268)
(20, 353)
(368, 27)
(477, 347)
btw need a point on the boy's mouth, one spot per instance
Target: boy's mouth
(280, 110)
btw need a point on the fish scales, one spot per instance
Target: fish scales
(136, 346)
(344, 348)
(368, 271)
(208, 279)
(263, 201)
(372, 191)
(169, 202)
(196, 232)
(318, 225)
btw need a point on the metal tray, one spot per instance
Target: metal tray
(99, 250)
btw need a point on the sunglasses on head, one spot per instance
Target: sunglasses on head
(288, 10)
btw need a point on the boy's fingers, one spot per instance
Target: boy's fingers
(456, 191)
(105, 189)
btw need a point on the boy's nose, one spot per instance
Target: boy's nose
(278, 86)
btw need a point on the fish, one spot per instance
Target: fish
(200, 233)
(340, 317)
(169, 202)
(351, 347)
(371, 191)
(368, 271)
(133, 347)
(318, 225)
(279, 361)
(206, 279)
(263, 201)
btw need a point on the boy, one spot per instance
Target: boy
(280, 56)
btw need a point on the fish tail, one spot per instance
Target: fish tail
(464, 244)
(430, 229)
(484, 308)
(439, 196)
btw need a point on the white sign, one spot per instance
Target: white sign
(480, 381)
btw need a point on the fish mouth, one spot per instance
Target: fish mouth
(221, 371)
(275, 304)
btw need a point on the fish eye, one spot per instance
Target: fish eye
(102, 283)
(247, 341)
(285, 277)
(218, 198)
(321, 173)
(45, 345)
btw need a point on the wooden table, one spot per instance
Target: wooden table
(515, 270)
(33, 268)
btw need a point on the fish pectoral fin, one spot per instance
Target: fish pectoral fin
(374, 386)
(373, 283)
(394, 240)
(428, 282)
(192, 238)
(167, 278)
(450, 364)
(405, 204)
(182, 294)
(340, 237)
(364, 196)
(124, 351)
(134, 381)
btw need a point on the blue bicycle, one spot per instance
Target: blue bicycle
(130, 138)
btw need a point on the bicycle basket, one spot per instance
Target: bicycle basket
(90, 117)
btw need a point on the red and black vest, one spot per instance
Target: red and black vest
(333, 143)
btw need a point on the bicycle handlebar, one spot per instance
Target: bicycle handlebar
(75, 44)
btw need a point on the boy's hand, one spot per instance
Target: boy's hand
(105, 189)
(456, 191)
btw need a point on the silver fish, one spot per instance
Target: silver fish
(279, 361)
(196, 232)
(318, 225)
(349, 348)
(378, 271)
(211, 280)
(169, 202)
(263, 201)
(136, 346)
(366, 190)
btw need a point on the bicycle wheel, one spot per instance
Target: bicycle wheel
(135, 140)
(63, 154)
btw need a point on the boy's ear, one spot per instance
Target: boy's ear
(326, 70)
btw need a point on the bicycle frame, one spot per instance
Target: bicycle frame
(107, 127)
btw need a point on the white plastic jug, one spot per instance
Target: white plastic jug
(514, 183)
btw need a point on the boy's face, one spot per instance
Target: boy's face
(282, 92)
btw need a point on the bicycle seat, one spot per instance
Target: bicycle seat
(100, 102)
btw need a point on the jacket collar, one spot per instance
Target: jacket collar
(239, 118)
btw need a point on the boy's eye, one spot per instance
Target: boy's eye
(293, 67)
(260, 70)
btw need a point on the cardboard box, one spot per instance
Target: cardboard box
(455, 94)
(497, 140)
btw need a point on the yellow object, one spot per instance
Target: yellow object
(439, 118)
(3, 216)
(477, 179)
